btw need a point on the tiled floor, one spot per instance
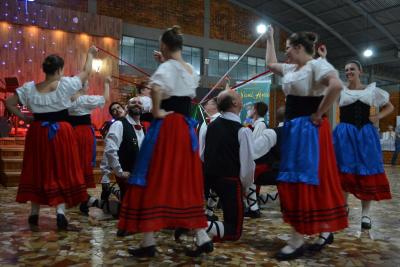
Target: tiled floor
(96, 244)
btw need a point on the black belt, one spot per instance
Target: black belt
(61, 115)
(356, 114)
(179, 104)
(80, 120)
(298, 106)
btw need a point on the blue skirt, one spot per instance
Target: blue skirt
(299, 152)
(358, 151)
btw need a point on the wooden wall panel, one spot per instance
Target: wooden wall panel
(23, 49)
(55, 18)
(276, 100)
(79, 5)
(391, 118)
(233, 23)
(189, 14)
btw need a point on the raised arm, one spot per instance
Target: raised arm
(106, 92)
(270, 56)
(87, 68)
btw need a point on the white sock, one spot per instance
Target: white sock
(148, 240)
(61, 209)
(264, 198)
(212, 202)
(295, 241)
(320, 240)
(35, 208)
(201, 237)
(251, 197)
(366, 205)
(213, 228)
(91, 201)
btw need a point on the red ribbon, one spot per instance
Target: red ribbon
(130, 65)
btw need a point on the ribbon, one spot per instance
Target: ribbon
(193, 137)
(53, 128)
(94, 147)
(141, 168)
(139, 173)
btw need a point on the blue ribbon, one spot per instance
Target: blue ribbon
(53, 128)
(141, 168)
(94, 147)
(193, 137)
(139, 173)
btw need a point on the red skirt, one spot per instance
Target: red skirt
(85, 138)
(174, 194)
(312, 209)
(51, 173)
(366, 187)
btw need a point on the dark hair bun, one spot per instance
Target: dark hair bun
(312, 37)
(306, 39)
(173, 38)
(52, 63)
(176, 29)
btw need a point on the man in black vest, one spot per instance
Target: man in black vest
(228, 165)
(122, 144)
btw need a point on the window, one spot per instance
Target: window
(139, 52)
(192, 55)
(220, 62)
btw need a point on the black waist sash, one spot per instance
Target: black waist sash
(80, 120)
(61, 115)
(179, 104)
(356, 114)
(298, 106)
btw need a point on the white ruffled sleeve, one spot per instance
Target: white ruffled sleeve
(321, 68)
(286, 68)
(163, 77)
(24, 91)
(70, 85)
(380, 97)
(91, 101)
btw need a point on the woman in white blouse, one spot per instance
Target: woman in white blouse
(166, 187)
(357, 146)
(80, 118)
(308, 183)
(51, 173)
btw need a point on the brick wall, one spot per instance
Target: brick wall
(229, 22)
(189, 14)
